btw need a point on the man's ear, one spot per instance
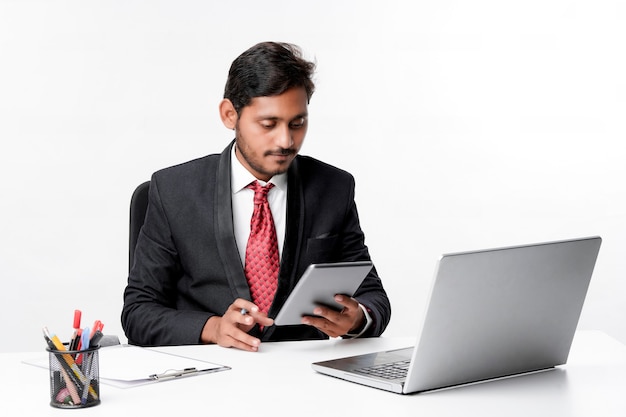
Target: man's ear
(228, 114)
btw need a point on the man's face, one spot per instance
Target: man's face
(270, 131)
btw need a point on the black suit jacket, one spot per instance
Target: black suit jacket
(187, 266)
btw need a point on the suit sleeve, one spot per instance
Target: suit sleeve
(149, 315)
(371, 294)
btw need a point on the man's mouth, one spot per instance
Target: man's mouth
(280, 152)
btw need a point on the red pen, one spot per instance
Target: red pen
(97, 325)
(75, 342)
(77, 316)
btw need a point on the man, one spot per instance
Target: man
(192, 276)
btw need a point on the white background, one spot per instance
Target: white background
(467, 124)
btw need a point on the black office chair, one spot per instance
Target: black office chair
(138, 207)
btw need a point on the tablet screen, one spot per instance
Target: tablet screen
(318, 286)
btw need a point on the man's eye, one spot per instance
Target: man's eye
(297, 124)
(268, 125)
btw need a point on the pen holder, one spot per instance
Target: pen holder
(74, 378)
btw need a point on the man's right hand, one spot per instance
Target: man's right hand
(230, 330)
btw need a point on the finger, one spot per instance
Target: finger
(244, 306)
(261, 318)
(235, 337)
(323, 325)
(352, 313)
(335, 323)
(243, 312)
(235, 317)
(250, 344)
(248, 313)
(239, 344)
(328, 313)
(347, 302)
(243, 340)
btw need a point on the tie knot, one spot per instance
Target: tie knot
(260, 192)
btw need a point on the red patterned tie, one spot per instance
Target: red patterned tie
(262, 262)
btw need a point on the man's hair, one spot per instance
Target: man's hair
(268, 69)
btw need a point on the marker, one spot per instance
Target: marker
(95, 340)
(77, 316)
(75, 341)
(97, 325)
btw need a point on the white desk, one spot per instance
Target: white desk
(593, 383)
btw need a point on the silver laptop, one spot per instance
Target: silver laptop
(492, 314)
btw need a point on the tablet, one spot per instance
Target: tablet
(318, 285)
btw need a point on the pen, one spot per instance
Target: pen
(84, 345)
(86, 364)
(95, 339)
(46, 336)
(97, 325)
(84, 339)
(88, 358)
(77, 316)
(75, 341)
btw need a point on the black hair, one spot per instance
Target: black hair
(268, 69)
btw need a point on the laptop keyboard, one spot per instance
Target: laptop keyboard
(392, 370)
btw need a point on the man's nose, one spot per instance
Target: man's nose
(284, 138)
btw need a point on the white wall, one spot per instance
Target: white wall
(467, 124)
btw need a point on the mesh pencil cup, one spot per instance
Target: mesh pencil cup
(74, 378)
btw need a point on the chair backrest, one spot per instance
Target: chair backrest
(138, 207)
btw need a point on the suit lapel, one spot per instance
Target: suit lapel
(294, 226)
(226, 243)
(287, 275)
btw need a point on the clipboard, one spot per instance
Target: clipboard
(127, 366)
(318, 286)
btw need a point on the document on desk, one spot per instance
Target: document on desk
(127, 366)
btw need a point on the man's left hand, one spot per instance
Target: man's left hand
(337, 323)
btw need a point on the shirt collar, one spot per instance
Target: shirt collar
(241, 177)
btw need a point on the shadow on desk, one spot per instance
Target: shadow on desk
(553, 380)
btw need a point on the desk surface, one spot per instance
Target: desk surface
(280, 375)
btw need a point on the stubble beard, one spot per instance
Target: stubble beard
(256, 166)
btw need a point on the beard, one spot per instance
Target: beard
(255, 162)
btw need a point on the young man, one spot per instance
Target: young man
(193, 278)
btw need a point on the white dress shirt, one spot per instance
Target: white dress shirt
(243, 205)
